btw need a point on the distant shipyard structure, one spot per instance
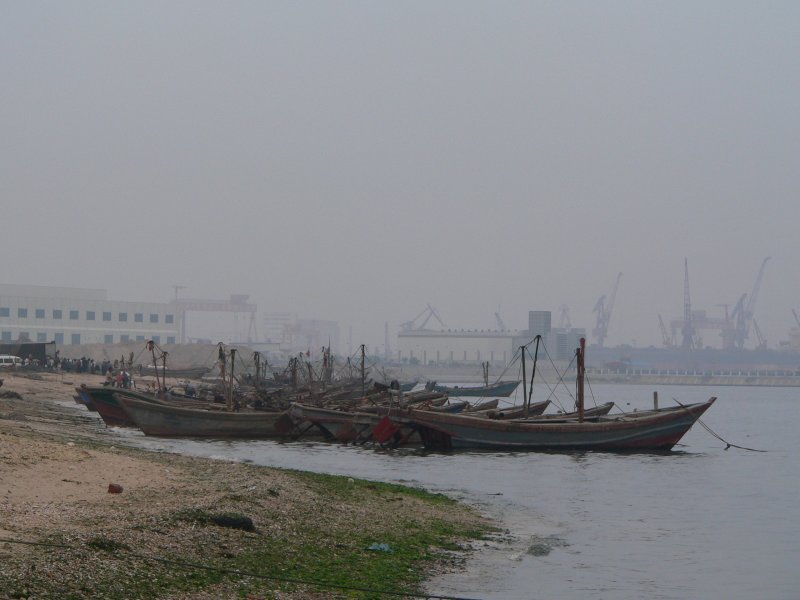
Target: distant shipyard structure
(417, 343)
(734, 327)
(81, 316)
(287, 333)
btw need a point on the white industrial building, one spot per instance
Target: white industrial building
(431, 347)
(448, 347)
(81, 316)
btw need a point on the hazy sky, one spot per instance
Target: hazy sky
(356, 161)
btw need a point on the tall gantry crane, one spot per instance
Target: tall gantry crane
(669, 341)
(762, 341)
(734, 327)
(604, 311)
(744, 310)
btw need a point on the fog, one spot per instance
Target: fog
(356, 161)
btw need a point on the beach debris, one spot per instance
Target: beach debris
(234, 521)
(375, 546)
(114, 488)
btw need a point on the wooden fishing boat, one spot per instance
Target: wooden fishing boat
(83, 399)
(360, 425)
(419, 399)
(653, 430)
(103, 399)
(483, 405)
(514, 412)
(451, 407)
(403, 386)
(594, 411)
(498, 389)
(184, 373)
(168, 420)
(356, 426)
(341, 425)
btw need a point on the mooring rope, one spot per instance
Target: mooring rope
(719, 437)
(727, 444)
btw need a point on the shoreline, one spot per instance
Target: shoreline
(57, 462)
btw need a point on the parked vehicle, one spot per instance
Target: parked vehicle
(8, 361)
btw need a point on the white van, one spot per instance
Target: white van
(8, 361)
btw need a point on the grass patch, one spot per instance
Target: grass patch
(346, 487)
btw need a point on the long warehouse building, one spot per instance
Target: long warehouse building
(81, 316)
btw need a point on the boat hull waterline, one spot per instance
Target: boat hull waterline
(494, 390)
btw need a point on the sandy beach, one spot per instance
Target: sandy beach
(58, 461)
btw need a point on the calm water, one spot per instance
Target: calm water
(701, 522)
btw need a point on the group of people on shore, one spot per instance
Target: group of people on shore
(122, 379)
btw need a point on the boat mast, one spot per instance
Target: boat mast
(363, 375)
(538, 339)
(526, 395)
(164, 369)
(257, 360)
(524, 382)
(152, 347)
(230, 392)
(581, 373)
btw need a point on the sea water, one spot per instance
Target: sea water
(700, 522)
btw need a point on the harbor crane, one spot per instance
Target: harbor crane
(734, 327)
(744, 310)
(428, 312)
(669, 341)
(762, 341)
(603, 311)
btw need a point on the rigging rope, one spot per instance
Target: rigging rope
(554, 389)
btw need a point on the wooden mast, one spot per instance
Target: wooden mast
(581, 374)
(526, 395)
(221, 359)
(524, 383)
(257, 360)
(363, 374)
(230, 391)
(152, 347)
(164, 369)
